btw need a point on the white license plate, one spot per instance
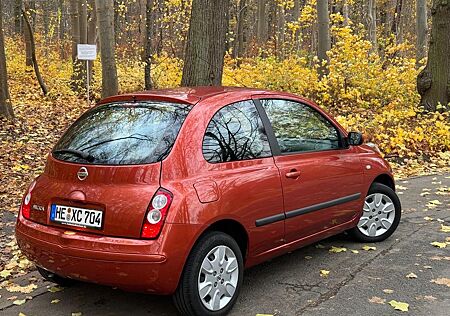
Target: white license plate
(75, 216)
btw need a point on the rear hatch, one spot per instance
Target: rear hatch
(103, 172)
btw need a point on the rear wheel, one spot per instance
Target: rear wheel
(54, 278)
(211, 278)
(381, 214)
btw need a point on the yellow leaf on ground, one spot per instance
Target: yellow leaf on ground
(76, 314)
(388, 291)
(368, 248)
(55, 301)
(427, 218)
(324, 273)
(22, 314)
(54, 289)
(445, 229)
(19, 302)
(22, 289)
(442, 281)
(5, 273)
(439, 244)
(400, 306)
(411, 276)
(354, 251)
(435, 202)
(337, 249)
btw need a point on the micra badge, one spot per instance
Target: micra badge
(38, 207)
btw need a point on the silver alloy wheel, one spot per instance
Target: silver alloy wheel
(378, 215)
(218, 278)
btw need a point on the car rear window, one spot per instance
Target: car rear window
(123, 133)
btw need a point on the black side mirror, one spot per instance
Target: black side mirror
(355, 139)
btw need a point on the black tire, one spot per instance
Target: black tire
(186, 298)
(383, 189)
(54, 278)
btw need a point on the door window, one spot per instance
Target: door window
(300, 128)
(236, 133)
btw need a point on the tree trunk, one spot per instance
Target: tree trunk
(26, 34)
(76, 80)
(5, 103)
(206, 43)
(372, 24)
(29, 29)
(396, 22)
(149, 22)
(421, 29)
(92, 32)
(345, 12)
(18, 16)
(261, 20)
(62, 28)
(324, 44)
(240, 28)
(433, 83)
(105, 19)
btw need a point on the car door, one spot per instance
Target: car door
(321, 178)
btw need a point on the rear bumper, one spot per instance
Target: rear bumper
(152, 266)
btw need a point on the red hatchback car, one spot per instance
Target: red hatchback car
(177, 191)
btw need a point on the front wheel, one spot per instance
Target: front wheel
(381, 214)
(211, 278)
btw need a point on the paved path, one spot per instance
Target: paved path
(291, 284)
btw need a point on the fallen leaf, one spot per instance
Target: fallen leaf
(377, 300)
(5, 273)
(438, 258)
(22, 314)
(55, 301)
(337, 249)
(439, 244)
(427, 218)
(19, 302)
(442, 281)
(55, 289)
(354, 251)
(427, 267)
(400, 306)
(388, 291)
(368, 248)
(308, 257)
(445, 229)
(319, 246)
(411, 276)
(22, 289)
(324, 273)
(76, 314)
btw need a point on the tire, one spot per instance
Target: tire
(387, 211)
(54, 278)
(187, 297)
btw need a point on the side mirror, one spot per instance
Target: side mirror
(355, 139)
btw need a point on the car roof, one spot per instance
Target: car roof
(191, 95)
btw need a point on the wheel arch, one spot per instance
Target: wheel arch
(386, 180)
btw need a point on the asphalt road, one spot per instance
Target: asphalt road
(292, 285)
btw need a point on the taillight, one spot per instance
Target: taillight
(25, 207)
(156, 214)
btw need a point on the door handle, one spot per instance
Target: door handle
(294, 174)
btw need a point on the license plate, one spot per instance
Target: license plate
(75, 216)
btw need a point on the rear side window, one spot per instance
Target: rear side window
(236, 133)
(123, 134)
(300, 128)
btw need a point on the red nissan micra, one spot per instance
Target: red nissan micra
(177, 191)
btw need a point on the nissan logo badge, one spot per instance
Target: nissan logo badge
(82, 173)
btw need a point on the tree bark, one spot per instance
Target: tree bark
(345, 12)
(324, 42)
(18, 16)
(105, 20)
(372, 24)
(26, 35)
(76, 79)
(396, 22)
(240, 28)
(33, 54)
(433, 83)
(421, 29)
(5, 103)
(149, 22)
(261, 20)
(206, 43)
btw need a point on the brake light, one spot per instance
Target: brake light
(156, 214)
(25, 207)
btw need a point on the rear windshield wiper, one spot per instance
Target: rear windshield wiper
(78, 153)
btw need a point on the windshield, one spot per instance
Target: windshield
(123, 133)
